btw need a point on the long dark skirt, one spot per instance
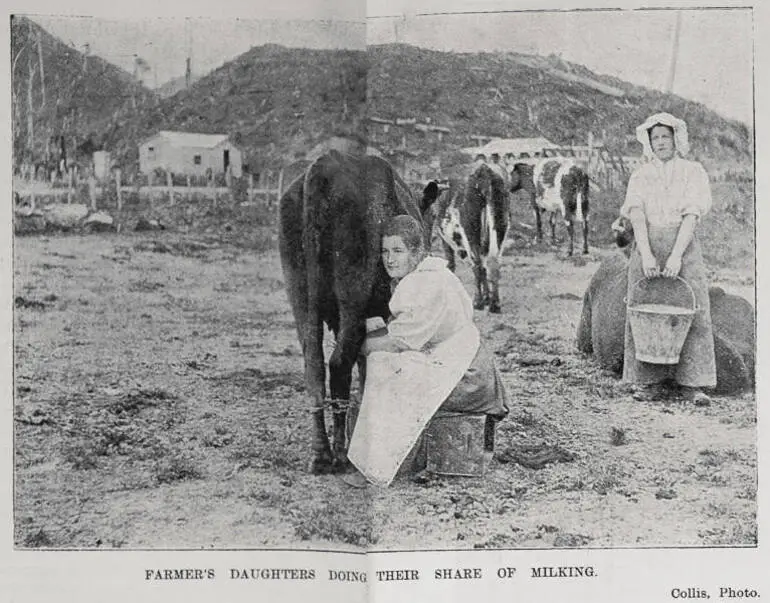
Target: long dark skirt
(480, 390)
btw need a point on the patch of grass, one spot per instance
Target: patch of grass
(137, 425)
(748, 493)
(618, 436)
(326, 523)
(266, 382)
(271, 498)
(716, 458)
(177, 467)
(38, 539)
(607, 479)
(569, 540)
(497, 541)
(265, 449)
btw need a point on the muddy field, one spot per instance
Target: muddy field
(159, 404)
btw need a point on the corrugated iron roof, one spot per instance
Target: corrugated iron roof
(191, 139)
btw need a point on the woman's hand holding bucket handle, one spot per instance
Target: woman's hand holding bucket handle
(650, 266)
(673, 266)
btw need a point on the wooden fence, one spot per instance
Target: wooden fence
(267, 189)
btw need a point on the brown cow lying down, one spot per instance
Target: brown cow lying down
(602, 326)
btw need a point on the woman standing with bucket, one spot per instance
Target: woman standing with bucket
(665, 199)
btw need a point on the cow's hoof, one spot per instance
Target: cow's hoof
(341, 463)
(494, 308)
(323, 464)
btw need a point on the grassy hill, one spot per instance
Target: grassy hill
(75, 98)
(276, 103)
(516, 95)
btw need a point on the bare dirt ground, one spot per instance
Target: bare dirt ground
(159, 404)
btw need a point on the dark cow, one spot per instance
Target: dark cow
(557, 186)
(601, 331)
(331, 222)
(473, 225)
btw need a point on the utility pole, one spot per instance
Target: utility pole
(674, 53)
(30, 110)
(86, 51)
(42, 73)
(188, 62)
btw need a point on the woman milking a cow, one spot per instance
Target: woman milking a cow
(665, 199)
(428, 357)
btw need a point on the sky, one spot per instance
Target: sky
(714, 63)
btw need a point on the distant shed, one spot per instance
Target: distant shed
(190, 153)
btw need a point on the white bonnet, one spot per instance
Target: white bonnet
(680, 133)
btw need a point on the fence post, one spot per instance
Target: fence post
(92, 190)
(280, 184)
(170, 187)
(251, 185)
(69, 185)
(120, 194)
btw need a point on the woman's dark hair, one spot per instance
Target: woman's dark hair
(652, 127)
(409, 229)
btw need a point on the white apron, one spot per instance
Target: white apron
(403, 390)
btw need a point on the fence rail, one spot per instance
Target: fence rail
(32, 190)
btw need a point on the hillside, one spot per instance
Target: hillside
(77, 95)
(275, 102)
(174, 85)
(513, 95)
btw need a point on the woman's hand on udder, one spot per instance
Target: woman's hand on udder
(673, 266)
(650, 266)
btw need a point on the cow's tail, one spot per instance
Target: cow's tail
(315, 199)
(579, 202)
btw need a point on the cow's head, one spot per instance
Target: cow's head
(453, 233)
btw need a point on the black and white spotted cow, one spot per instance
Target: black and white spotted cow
(473, 223)
(560, 187)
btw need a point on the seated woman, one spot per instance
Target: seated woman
(429, 357)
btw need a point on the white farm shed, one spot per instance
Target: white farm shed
(189, 153)
(520, 147)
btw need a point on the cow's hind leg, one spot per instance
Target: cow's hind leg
(493, 280)
(315, 377)
(341, 364)
(552, 222)
(481, 298)
(538, 223)
(569, 222)
(585, 234)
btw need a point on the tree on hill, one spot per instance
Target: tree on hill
(60, 94)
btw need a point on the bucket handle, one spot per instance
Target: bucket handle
(679, 278)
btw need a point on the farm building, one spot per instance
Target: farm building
(520, 147)
(190, 153)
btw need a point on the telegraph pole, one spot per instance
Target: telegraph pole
(188, 62)
(42, 73)
(674, 53)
